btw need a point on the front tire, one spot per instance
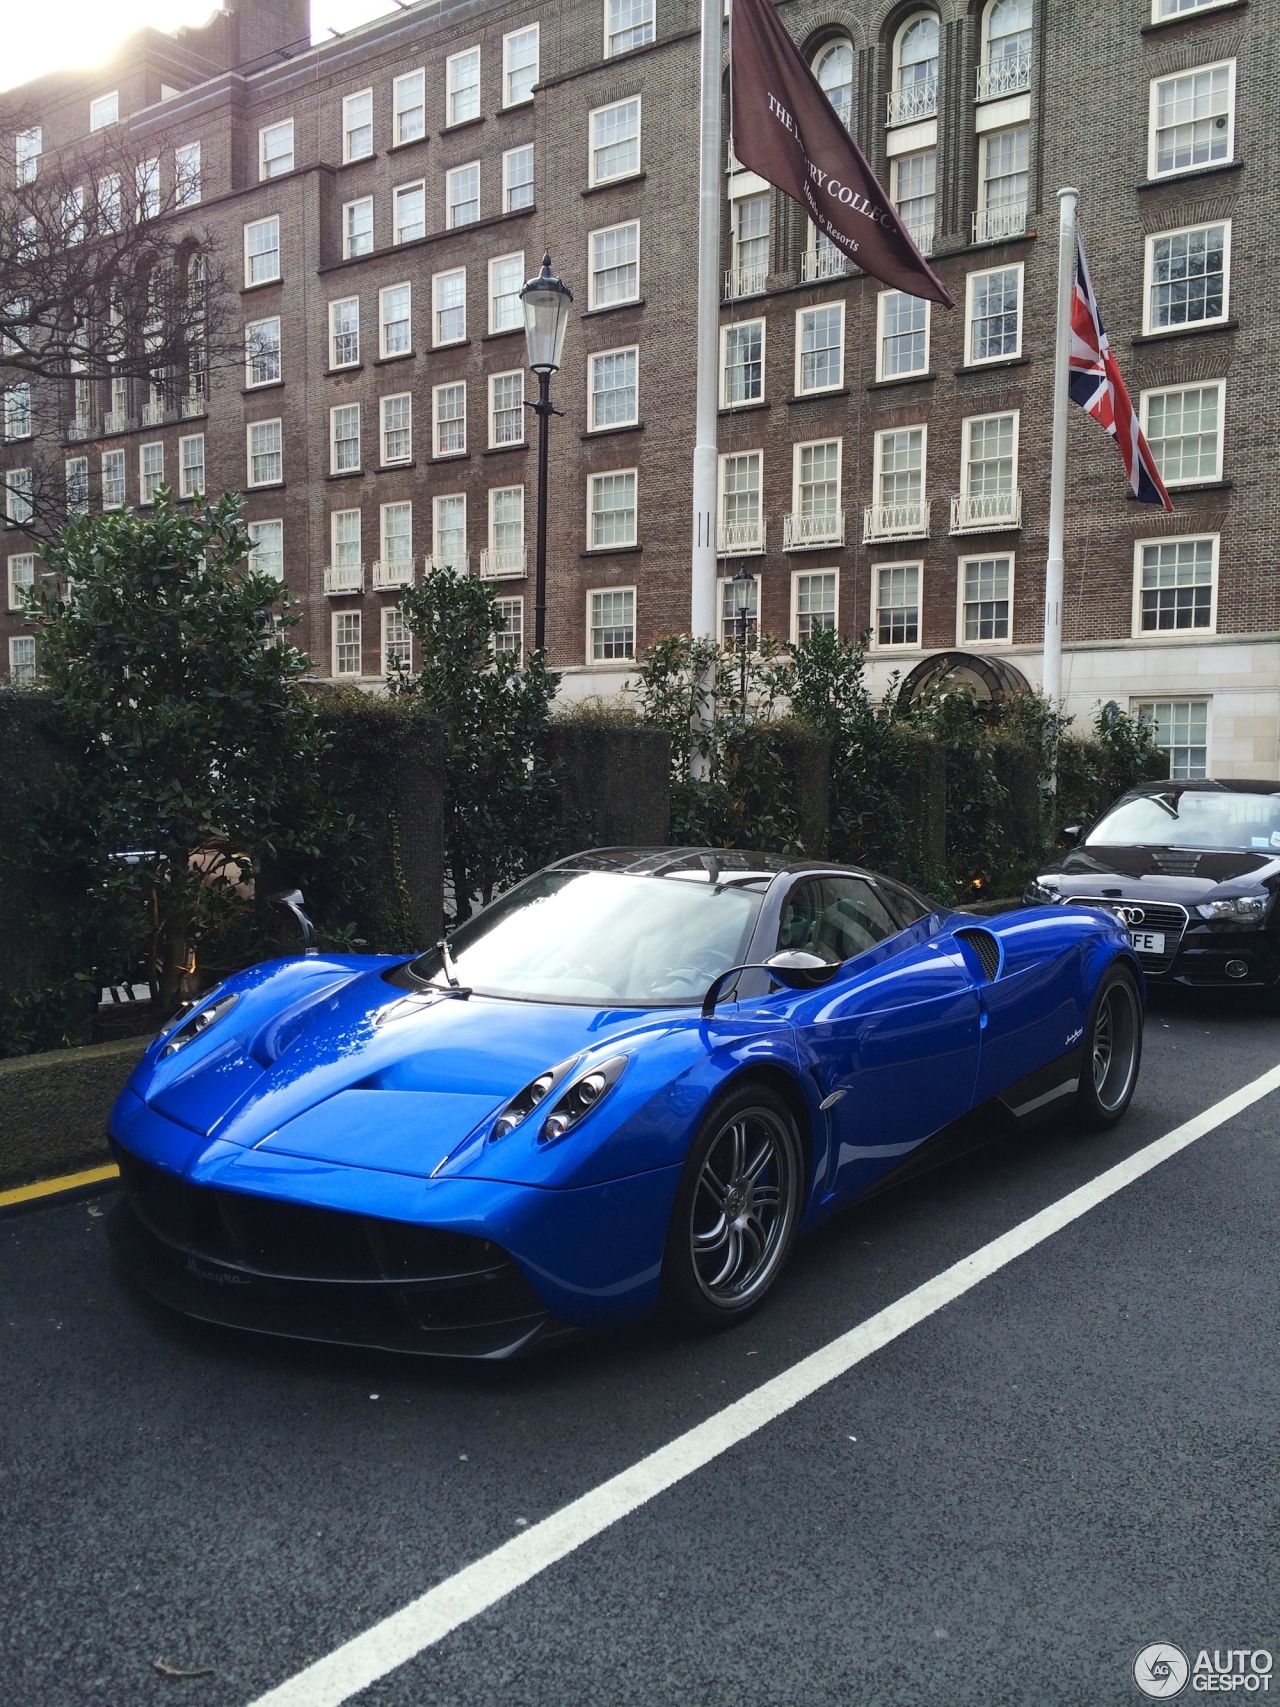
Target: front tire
(736, 1209)
(1112, 1050)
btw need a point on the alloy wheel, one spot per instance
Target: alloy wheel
(744, 1206)
(1115, 1045)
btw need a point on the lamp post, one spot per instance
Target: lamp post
(742, 605)
(546, 302)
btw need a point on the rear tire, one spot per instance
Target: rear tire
(736, 1209)
(1112, 1049)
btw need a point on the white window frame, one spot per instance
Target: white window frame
(383, 353)
(916, 645)
(257, 225)
(736, 326)
(1153, 108)
(1139, 701)
(508, 189)
(146, 474)
(384, 460)
(970, 287)
(392, 614)
(348, 129)
(722, 495)
(264, 176)
(593, 593)
(493, 378)
(798, 575)
(334, 334)
(77, 506)
(335, 516)
(438, 343)
(1158, 16)
(118, 460)
(962, 564)
(1149, 327)
(914, 373)
(419, 184)
(349, 251)
(802, 390)
(185, 489)
(511, 36)
(16, 580)
(461, 450)
(507, 606)
(593, 426)
(1174, 636)
(97, 119)
(648, 20)
(29, 146)
(496, 261)
(1144, 406)
(22, 668)
(616, 545)
(439, 498)
(268, 522)
(395, 504)
(450, 92)
(837, 440)
(724, 592)
(603, 231)
(250, 428)
(250, 383)
(594, 177)
(334, 412)
(347, 619)
(187, 179)
(399, 108)
(494, 493)
(450, 205)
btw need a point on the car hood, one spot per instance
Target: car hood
(1173, 874)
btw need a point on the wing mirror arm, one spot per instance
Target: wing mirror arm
(793, 969)
(291, 900)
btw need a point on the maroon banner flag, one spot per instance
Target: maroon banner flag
(785, 129)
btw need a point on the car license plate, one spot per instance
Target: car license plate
(1147, 942)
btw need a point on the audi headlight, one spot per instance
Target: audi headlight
(1040, 894)
(1249, 909)
(199, 1023)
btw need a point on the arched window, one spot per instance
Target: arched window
(915, 70)
(834, 70)
(1006, 49)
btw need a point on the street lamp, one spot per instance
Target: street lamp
(742, 605)
(546, 301)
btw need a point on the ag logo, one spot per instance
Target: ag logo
(1161, 1671)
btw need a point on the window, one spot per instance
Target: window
(357, 228)
(150, 471)
(741, 528)
(344, 438)
(409, 109)
(267, 556)
(834, 70)
(77, 473)
(147, 183)
(186, 174)
(262, 351)
(191, 466)
(1176, 8)
(990, 496)
(1006, 49)
(995, 315)
(749, 231)
(22, 658)
(397, 536)
(628, 24)
(346, 643)
(506, 530)
(28, 145)
(508, 636)
(517, 179)
(449, 528)
(897, 593)
(449, 293)
(275, 150)
(506, 278)
(833, 918)
(1192, 119)
(816, 517)
(346, 549)
(813, 603)
(506, 409)
(462, 195)
(357, 125)
(915, 180)
(1181, 729)
(17, 412)
(613, 624)
(611, 510)
(820, 347)
(985, 598)
(112, 479)
(266, 454)
(397, 428)
(1188, 277)
(742, 363)
(731, 620)
(615, 141)
(111, 201)
(899, 483)
(262, 251)
(22, 579)
(1176, 583)
(344, 332)
(410, 213)
(1184, 430)
(615, 265)
(1002, 194)
(462, 76)
(397, 643)
(903, 343)
(519, 66)
(914, 95)
(104, 111)
(449, 412)
(395, 304)
(614, 388)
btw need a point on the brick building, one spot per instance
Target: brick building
(380, 197)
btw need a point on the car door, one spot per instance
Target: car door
(893, 1042)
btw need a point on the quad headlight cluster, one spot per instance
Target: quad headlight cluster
(579, 1095)
(188, 1030)
(1248, 909)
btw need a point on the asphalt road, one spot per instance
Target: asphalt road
(1074, 1459)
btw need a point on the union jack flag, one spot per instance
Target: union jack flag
(1097, 387)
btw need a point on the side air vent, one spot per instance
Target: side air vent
(987, 949)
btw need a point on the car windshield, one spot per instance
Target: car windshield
(603, 937)
(1192, 818)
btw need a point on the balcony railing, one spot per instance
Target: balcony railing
(916, 101)
(392, 574)
(504, 563)
(922, 237)
(116, 421)
(193, 404)
(79, 428)
(153, 414)
(843, 106)
(460, 565)
(745, 281)
(740, 539)
(344, 578)
(827, 263)
(990, 224)
(808, 533)
(1008, 76)
(896, 521)
(986, 512)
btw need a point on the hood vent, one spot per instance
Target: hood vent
(987, 949)
(1177, 862)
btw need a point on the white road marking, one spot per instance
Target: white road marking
(469, 1592)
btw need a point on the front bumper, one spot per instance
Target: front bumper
(1206, 950)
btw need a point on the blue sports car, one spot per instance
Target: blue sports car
(630, 1082)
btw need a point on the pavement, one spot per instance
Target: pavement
(1004, 1505)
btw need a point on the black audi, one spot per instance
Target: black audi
(1193, 869)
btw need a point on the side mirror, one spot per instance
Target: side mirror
(1070, 835)
(292, 902)
(793, 969)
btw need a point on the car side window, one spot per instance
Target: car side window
(911, 907)
(834, 918)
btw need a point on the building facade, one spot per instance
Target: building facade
(884, 465)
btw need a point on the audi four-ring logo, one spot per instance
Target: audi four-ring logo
(1131, 915)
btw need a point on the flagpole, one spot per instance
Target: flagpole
(1051, 673)
(705, 472)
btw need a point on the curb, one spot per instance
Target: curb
(91, 1183)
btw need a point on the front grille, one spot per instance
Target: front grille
(1163, 916)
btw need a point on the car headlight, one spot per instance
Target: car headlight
(1038, 894)
(576, 1100)
(1250, 909)
(535, 1092)
(199, 1023)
